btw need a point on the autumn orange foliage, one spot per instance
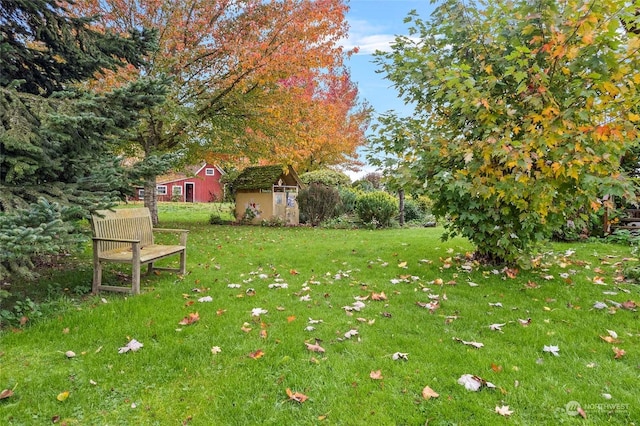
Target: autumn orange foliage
(250, 80)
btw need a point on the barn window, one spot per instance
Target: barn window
(176, 190)
(209, 172)
(140, 194)
(161, 190)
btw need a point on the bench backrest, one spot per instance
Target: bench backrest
(131, 224)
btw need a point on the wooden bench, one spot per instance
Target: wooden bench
(126, 236)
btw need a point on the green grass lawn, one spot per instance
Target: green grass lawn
(234, 365)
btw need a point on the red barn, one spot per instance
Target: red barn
(196, 184)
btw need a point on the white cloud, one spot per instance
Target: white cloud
(367, 38)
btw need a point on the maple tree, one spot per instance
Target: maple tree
(525, 108)
(250, 80)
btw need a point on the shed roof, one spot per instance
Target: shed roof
(263, 177)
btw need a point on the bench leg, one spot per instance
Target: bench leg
(135, 278)
(183, 262)
(135, 269)
(97, 277)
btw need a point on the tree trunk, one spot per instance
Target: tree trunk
(401, 204)
(151, 199)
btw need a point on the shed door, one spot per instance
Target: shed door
(189, 189)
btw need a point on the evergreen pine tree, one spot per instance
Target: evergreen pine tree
(57, 142)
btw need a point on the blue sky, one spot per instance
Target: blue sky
(373, 26)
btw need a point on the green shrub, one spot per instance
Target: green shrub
(317, 202)
(412, 211)
(348, 197)
(326, 177)
(376, 208)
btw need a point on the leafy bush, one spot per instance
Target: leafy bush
(348, 197)
(326, 177)
(412, 210)
(317, 203)
(377, 208)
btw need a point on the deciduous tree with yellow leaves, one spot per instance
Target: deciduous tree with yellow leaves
(525, 107)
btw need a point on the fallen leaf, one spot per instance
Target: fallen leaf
(220, 312)
(496, 368)
(523, 322)
(62, 396)
(256, 354)
(256, 312)
(314, 347)
(376, 375)
(511, 273)
(474, 383)
(581, 411)
(246, 327)
(349, 334)
(599, 305)
(619, 353)
(190, 319)
(263, 334)
(379, 296)
(296, 396)
(399, 355)
(497, 327)
(476, 345)
(402, 265)
(132, 346)
(293, 272)
(504, 410)
(629, 304)
(551, 349)
(609, 339)
(70, 354)
(6, 394)
(428, 393)
(205, 299)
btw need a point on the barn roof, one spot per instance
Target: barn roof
(264, 177)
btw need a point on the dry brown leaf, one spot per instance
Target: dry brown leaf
(511, 273)
(263, 334)
(619, 353)
(609, 339)
(314, 347)
(220, 312)
(293, 272)
(291, 318)
(629, 304)
(376, 375)
(379, 296)
(190, 319)
(6, 394)
(296, 396)
(256, 354)
(582, 413)
(428, 393)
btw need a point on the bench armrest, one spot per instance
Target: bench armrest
(175, 231)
